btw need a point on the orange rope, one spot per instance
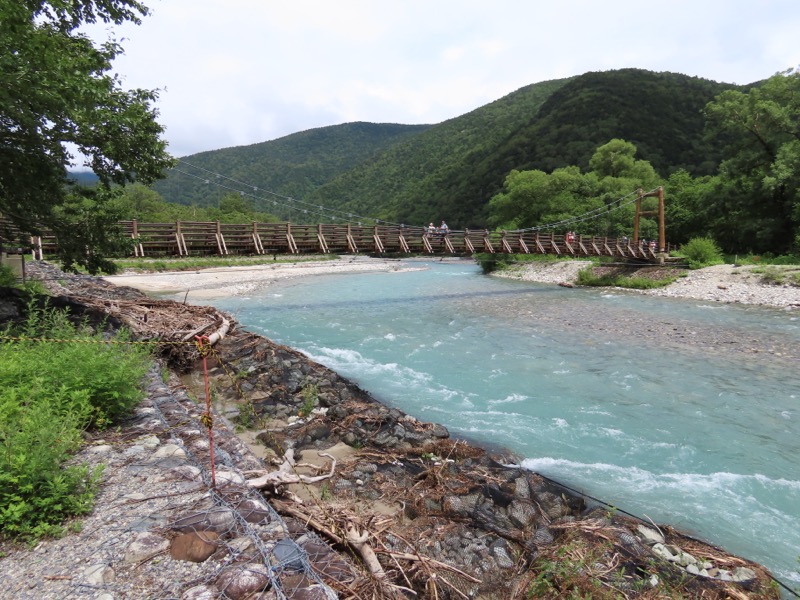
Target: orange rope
(206, 416)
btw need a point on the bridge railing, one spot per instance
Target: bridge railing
(183, 238)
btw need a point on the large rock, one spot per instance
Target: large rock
(145, 546)
(195, 546)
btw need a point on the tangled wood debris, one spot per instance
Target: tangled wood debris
(287, 473)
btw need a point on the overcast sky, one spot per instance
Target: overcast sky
(246, 71)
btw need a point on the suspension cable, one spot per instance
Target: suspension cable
(285, 201)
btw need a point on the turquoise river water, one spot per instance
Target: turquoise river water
(701, 438)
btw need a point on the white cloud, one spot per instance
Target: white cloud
(245, 71)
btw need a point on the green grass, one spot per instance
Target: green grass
(618, 279)
(763, 259)
(779, 274)
(50, 393)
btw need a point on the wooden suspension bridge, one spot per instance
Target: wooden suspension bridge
(191, 238)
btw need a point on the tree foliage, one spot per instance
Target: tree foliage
(59, 103)
(535, 198)
(758, 205)
(146, 205)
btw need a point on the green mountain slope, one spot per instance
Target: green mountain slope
(417, 174)
(661, 113)
(546, 126)
(415, 182)
(293, 166)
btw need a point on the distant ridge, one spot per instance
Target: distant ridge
(294, 165)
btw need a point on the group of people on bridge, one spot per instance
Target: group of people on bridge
(441, 230)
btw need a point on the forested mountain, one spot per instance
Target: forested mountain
(417, 181)
(416, 174)
(293, 166)
(660, 113)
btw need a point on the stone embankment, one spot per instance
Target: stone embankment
(374, 504)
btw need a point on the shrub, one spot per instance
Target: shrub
(618, 278)
(310, 394)
(39, 428)
(84, 360)
(50, 392)
(701, 252)
(7, 277)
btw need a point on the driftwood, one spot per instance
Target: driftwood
(356, 540)
(287, 473)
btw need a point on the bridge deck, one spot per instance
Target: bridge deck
(184, 238)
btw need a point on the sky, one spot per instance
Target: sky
(241, 72)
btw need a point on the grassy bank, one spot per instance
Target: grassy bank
(57, 380)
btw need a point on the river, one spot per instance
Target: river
(658, 406)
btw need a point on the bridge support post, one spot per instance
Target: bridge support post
(659, 212)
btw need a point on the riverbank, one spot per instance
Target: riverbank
(443, 517)
(719, 283)
(206, 284)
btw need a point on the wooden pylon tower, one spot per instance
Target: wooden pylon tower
(657, 193)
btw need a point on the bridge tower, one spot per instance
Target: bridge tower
(659, 212)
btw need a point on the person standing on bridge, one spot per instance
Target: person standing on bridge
(443, 230)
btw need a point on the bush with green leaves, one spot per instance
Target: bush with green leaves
(586, 277)
(50, 392)
(7, 277)
(701, 252)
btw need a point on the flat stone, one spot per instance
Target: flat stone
(195, 546)
(650, 536)
(147, 523)
(99, 574)
(149, 441)
(240, 581)
(289, 555)
(201, 592)
(743, 574)
(225, 477)
(145, 546)
(664, 552)
(169, 451)
(217, 519)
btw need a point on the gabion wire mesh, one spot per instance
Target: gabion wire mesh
(232, 510)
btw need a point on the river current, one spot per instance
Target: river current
(585, 386)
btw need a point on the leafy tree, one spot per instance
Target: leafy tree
(140, 202)
(689, 206)
(759, 193)
(60, 104)
(534, 198)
